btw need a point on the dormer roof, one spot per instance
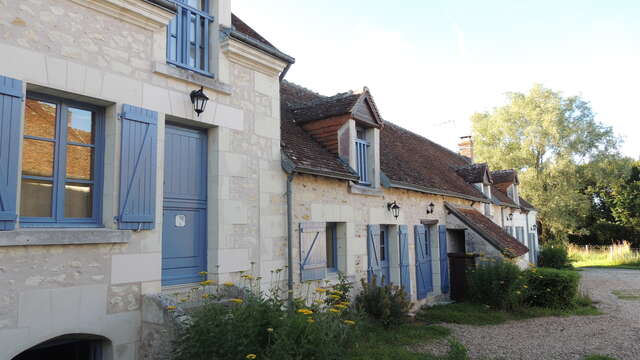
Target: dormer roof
(359, 106)
(508, 176)
(475, 173)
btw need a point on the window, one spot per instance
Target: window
(61, 163)
(520, 233)
(332, 247)
(362, 156)
(188, 36)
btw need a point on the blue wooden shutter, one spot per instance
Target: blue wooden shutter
(313, 251)
(405, 279)
(444, 259)
(138, 147)
(10, 113)
(532, 248)
(373, 256)
(424, 273)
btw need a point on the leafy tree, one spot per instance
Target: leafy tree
(548, 139)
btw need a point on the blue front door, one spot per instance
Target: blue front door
(384, 254)
(184, 245)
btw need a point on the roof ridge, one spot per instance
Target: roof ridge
(300, 87)
(323, 100)
(431, 141)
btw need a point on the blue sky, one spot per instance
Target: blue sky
(431, 64)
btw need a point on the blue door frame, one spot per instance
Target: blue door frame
(184, 235)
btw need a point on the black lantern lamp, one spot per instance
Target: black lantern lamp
(510, 216)
(430, 208)
(394, 208)
(199, 100)
(534, 227)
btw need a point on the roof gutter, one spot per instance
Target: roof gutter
(427, 190)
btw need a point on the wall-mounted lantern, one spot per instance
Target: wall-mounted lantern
(430, 208)
(510, 216)
(534, 227)
(394, 208)
(199, 100)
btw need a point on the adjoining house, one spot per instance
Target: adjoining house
(144, 143)
(373, 199)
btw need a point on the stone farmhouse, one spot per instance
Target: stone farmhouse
(144, 142)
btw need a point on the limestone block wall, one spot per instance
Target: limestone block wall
(329, 200)
(92, 281)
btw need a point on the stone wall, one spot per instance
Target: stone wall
(329, 200)
(60, 281)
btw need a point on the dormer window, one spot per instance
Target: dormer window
(362, 155)
(188, 36)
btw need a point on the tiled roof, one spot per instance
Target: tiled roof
(304, 152)
(489, 230)
(504, 176)
(501, 197)
(526, 205)
(325, 107)
(243, 28)
(408, 158)
(473, 173)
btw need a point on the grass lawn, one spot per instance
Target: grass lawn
(619, 256)
(632, 295)
(394, 344)
(475, 314)
(598, 357)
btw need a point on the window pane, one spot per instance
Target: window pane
(330, 247)
(78, 200)
(36, 198)
(198, 4)
(40, 119)
(192, 39)
(80, 126)
(37, 158)
(79, 162)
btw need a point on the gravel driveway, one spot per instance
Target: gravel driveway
(616, 333)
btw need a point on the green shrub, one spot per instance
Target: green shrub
(552, 288)
(228, 330)
(555, 257)
(388, 304)
(498, 284)
(318, 328)
(323, 336)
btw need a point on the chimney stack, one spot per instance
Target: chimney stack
(465, 147)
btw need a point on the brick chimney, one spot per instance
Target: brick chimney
(465, 146)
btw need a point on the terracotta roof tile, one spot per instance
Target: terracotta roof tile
(504, 176)
(409, 158)
(325, 107)
(501, 197)
(493, 233)
(298, 145)
(473, 173)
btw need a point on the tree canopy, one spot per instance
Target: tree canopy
(568, 163)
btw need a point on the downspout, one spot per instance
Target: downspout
(290, 240)
(502, 216)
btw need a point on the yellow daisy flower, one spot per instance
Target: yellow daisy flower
(237, 301)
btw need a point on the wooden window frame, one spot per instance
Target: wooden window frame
(58, 177)
(181, 41)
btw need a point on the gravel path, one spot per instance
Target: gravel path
(615, 334)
